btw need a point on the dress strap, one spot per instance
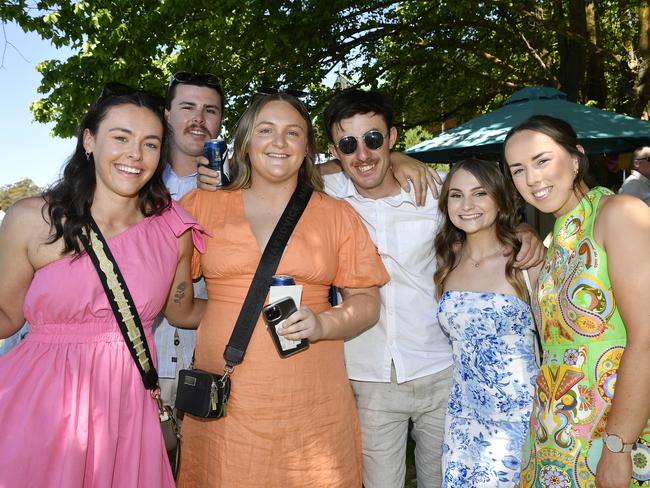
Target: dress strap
(528, 285)
(538, 339)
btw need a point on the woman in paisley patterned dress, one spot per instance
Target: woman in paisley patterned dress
(590, 424)
(483, 308)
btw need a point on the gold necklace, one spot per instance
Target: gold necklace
(476, 264)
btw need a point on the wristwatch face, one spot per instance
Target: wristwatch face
(614, 443)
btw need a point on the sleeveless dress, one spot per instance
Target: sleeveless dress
(74, 410)
(583, 337)
(291, 422)
(492, 337)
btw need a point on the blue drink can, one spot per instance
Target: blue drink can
(282, 280)
(215, 150)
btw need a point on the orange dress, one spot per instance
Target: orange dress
(291, 422)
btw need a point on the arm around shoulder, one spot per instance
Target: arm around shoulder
(329, 167)
(532, 251)
(409, 171)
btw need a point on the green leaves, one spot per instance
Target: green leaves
(10, 194)
(438, 59)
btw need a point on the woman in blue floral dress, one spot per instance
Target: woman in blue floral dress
(483, 308)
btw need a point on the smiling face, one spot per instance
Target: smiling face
(543, 171)
(470, 207)
(369, 169)
(278, 143)
(125, 148)
(194, 117)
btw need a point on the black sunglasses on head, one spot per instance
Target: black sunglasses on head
(114, 89)
(373, 139)
(207, 79)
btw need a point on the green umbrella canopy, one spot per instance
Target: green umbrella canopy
(599, 131)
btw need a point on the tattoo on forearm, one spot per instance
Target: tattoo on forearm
(180, 292)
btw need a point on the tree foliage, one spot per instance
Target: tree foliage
(437, 58)
(10, 194)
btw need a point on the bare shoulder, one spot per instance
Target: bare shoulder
(25, 230)
(622, 218)
(26, 214)
(621, 211)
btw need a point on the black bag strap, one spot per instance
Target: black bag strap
(121, 302)
(252, 307)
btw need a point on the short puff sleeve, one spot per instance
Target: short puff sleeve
(360, 265)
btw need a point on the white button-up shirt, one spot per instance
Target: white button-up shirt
(164, 333)
(408, 333)
(637, 185)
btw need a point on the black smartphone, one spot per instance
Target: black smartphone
(274, 315)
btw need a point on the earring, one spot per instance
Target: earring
(87, 156)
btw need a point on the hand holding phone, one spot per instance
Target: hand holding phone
(274, 315)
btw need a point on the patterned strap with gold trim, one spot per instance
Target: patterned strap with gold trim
(121, 302)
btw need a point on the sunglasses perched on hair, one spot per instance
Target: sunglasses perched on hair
(207, 79)
(270, 90)
(373, 139)
(117, 89)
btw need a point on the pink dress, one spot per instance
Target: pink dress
(73, 407)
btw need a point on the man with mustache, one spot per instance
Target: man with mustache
(194, 113)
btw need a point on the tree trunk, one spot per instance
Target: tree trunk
(596, 85)
(573, 51)
(642, 82)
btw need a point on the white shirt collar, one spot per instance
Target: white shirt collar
(348, 190)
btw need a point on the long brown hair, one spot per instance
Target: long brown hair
(240, 164)
(69, 200)
(449, 236)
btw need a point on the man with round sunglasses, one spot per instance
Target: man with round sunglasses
(401, 368)
(194, 114)
(638, 183)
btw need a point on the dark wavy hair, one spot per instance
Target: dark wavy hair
(563, 135)
(355, 101)
(240, 164)
(68, 201)
(447, 241)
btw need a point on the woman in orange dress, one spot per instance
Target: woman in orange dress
(291, 422)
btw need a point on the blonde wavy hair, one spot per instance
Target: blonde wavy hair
(240, 164)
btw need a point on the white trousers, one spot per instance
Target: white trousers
(384, 413)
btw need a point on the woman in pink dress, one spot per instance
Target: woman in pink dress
(75, 412)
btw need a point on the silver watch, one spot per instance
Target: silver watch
(615, 444)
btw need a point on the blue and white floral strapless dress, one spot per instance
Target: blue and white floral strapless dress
(492, 337)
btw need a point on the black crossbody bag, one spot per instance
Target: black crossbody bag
(128, 319)
(204, 394)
